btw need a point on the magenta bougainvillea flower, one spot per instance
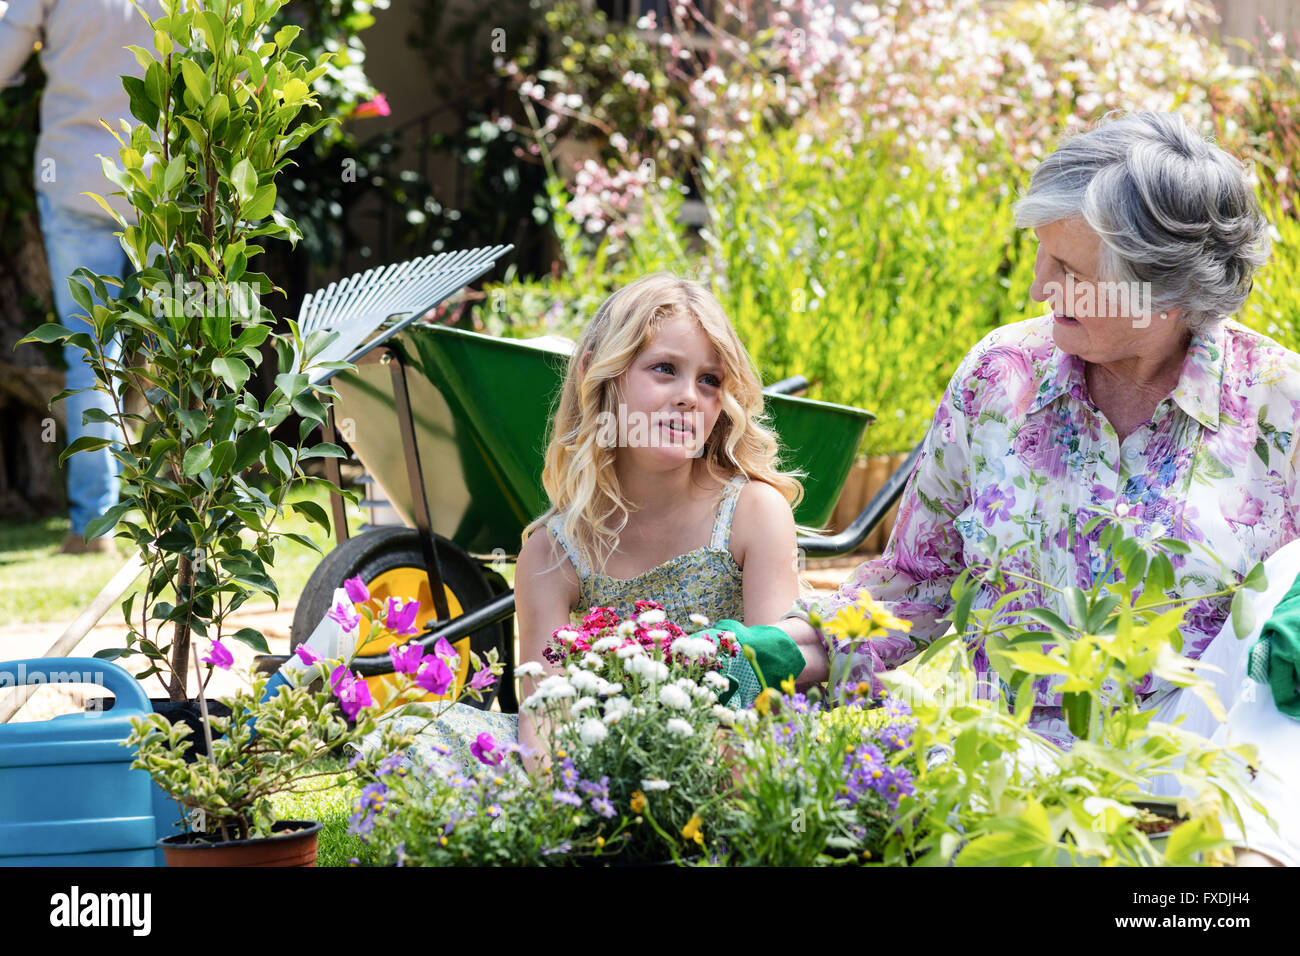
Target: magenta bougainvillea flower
(401, 618)
(407, 658)
(435, 676)
(483, 679)
(307, 655)
(352, 692)
(357, 590)
(346, 616)
(485, 750)
(219, 655)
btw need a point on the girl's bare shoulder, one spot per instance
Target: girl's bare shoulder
(762, 515)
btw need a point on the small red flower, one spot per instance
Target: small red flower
(599, 618)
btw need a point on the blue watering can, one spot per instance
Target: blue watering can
(68, 795)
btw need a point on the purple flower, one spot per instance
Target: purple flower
(369, 805)
(407, 658)
(358, 593)
(897, 784)
(307, 655)
(219, 655)
(566, 796)
(484, 748)
(568, 774)
(435, 676)
(401, 617)
(483, 679)
(346, 616)
(353, 694)
(445, 650)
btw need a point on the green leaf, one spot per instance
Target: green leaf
(197, 458)
(1257, 579)
(260, 206)
(1044, 616)
(1174, 546)
(930, 652)
(286, 35)
(108, 520)
(196, 81)
(249, 447)
(194, 422)
(253, 638)
(177, 539)
(324, 450)
(1243, 615)
(313, 512)
(1261, 450)
(48, 333)
(309, 406)
(232, 371)
(1078, 713)
(1100, 611)
(175, 173)
(244, 178)
(84, 443)
(111, 653)
(223, 456)
(1077, 602)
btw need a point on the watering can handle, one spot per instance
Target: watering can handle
(88, 670)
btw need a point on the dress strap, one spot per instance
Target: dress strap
(556, 526)
(726, 511)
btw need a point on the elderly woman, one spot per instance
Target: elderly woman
(1136, 397)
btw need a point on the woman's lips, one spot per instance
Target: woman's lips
(1064, 319)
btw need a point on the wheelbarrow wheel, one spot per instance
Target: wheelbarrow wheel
(391, 563)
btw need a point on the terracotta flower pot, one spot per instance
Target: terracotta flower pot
(294, 845)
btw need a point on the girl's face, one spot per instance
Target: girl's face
(671, 395)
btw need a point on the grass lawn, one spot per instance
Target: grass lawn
(37, 584)
(329, 802)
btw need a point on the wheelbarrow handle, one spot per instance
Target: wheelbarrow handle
(794, 385)
(829, 546)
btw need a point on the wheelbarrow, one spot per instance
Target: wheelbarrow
(452, 425)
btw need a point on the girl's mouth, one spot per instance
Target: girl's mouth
(1064, 319)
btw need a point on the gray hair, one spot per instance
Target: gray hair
(1172, 209)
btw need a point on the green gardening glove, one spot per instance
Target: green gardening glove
(1275, 658)
(777, 655)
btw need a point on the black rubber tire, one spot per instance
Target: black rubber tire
(383, 549)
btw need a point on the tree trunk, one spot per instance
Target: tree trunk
(31, 434)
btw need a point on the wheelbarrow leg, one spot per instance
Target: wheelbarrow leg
(335, 476)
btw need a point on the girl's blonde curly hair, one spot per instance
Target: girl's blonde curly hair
(579, 475)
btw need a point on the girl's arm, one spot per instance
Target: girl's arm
(763, 543)
(546, 590)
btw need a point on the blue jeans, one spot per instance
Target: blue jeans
(73, 240)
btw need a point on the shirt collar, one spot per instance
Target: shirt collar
(1199, 383)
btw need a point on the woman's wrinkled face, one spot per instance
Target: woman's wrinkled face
(1099, 321)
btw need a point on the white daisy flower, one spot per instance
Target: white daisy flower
(699, 620)
(592, 732)
(556, 686)
(651, 670)
(631, 650)
(567, 635)
(585, 682)
(679, 727)
(656, 633)
(616, 708)
(593, 661)
(652, 616)
(650, 786)
(715, 680)
(704, 695)
(674, 697)
(609, 690)
(694, 647)
(606, 644)
(626, 628)
(582, 703)
(529, 669)
(726, 716)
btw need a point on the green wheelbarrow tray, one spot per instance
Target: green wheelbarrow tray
(481, 407)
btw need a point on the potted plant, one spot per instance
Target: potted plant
(278, 734)
(633, 770)
(215, 110)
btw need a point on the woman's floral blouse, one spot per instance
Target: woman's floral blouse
(1017, 451)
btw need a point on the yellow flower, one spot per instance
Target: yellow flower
(442, 841)
(637, 802)
(561, 754)
(765, 700)
(867, 618)
(600, 841)
(692, 829)
(787, 685)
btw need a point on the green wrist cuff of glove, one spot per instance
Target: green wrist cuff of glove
(778, 657)
(1275, 657)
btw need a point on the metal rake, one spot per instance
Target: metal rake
(399, 294)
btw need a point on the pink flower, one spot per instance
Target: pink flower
(444, 650)
(353, 693)
(435, 676)
(407, 658)
(483, 679)
(307, 655)
(357, 590)
(401, 618)
(485, 750)
(219, 655)
(376, 107)
(345, 615)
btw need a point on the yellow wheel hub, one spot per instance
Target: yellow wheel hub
(406, 583)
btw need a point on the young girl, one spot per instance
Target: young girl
(663, 481)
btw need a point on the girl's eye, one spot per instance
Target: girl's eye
(666, 366)
(711, 380)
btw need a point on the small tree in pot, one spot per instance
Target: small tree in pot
(216, 109)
